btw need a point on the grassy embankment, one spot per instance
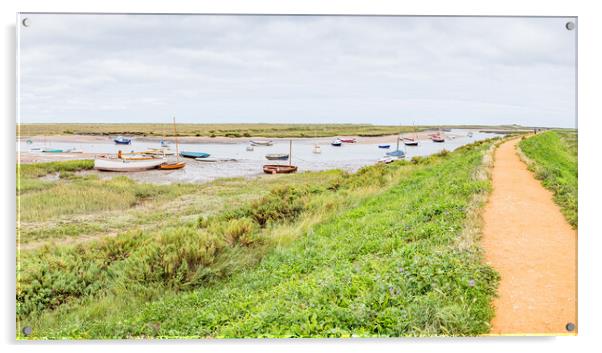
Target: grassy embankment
(382, 252)
(552, 156)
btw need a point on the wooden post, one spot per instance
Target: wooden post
(290, 152)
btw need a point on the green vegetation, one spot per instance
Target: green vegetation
(552, 156)
(374, 253)
(229, 130)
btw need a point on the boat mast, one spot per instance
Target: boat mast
(176, 136)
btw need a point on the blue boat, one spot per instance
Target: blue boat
(384, 146)
(397, 153)
(194, 154)
(122, 141)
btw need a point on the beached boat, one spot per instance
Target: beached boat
(279, 169)
(408, 141)
(396, 153)
(282, 169)
(348, 140)
(194, 154)
(122, 140)
(52, 150)
(387, 160)
(336, 143)
(384, 146)
(276, 156)
(213, 160)
(437, 138)
(124, 165)
(261, 143)
(172, 165)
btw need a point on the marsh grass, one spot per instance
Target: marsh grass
(552, 157)
(370, 254)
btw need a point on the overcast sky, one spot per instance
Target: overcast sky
(299, 69)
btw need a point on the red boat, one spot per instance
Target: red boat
(437, 138)
(350, 140)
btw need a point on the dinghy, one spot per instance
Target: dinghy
(261, 143)
(397, 153)
(52, 150)
(336, 143)
(279, 169)
(408, 141)
(437, 138)
(177, 164)
(194, 154)
(384, 146)
(124, 165)
(122, 141)
(277, 156)
(348, 140)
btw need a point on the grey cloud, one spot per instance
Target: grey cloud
(388, 70)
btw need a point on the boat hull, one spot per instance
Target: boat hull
(384, 146)
(124, 165)
(194, 154)
(398, 154)
(410, 143)
(261, 143)
(172, 166)
(279, 169)
(277, 157)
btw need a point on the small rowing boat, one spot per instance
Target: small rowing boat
(172, 166)
(336, 143)
(125, 165)
(277, 156)
(279, 169)
(122, 141)
(348, 140)
(384, 146)
(261, 143)
(194, 154)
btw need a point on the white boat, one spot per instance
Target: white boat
(261, 143)
(124, 165)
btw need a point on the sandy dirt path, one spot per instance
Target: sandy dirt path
(528, 241)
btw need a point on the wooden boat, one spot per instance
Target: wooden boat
(348, 140)
(173, 165)
(122, 140)
(279, 169)
(124, 165)
(277, 156)
(384, 146)
(336, 143)
(261, 143)
(194, 154)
